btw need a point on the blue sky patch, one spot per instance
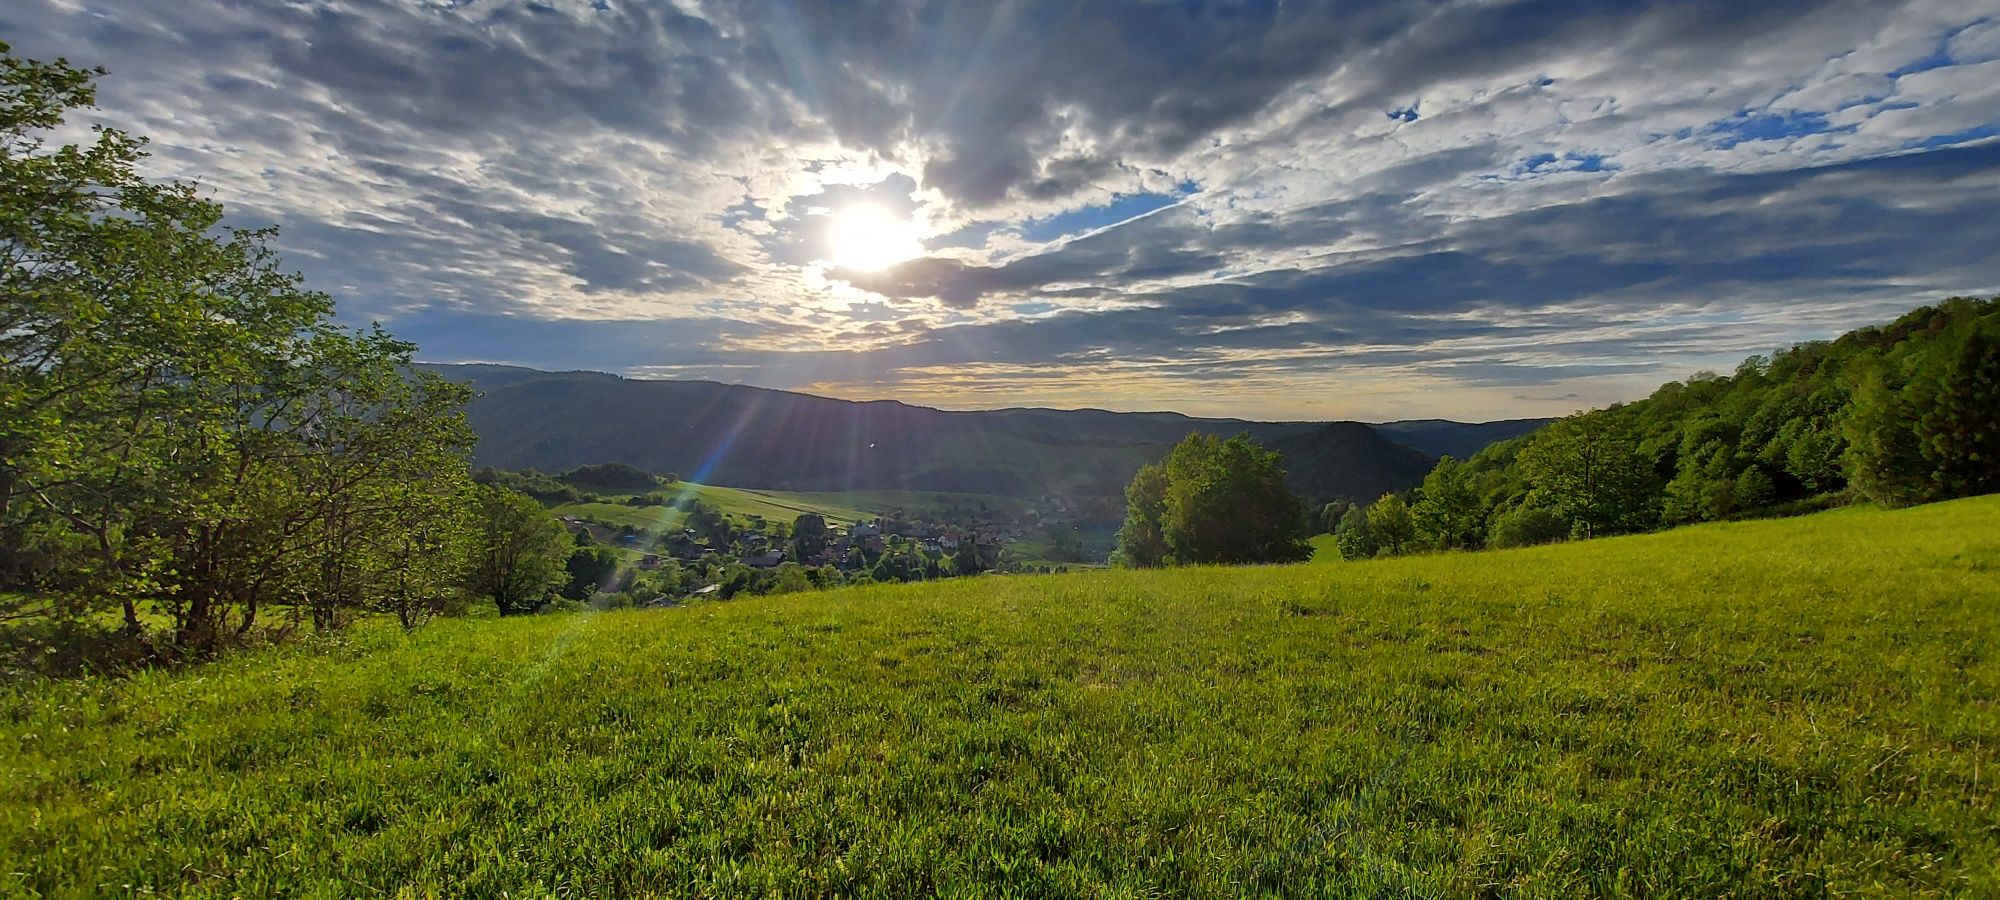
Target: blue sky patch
(1090, 218)
(1752, 125)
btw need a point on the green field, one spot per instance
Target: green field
(1774, 708)
(843, 507)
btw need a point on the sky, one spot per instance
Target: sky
(1280, 210)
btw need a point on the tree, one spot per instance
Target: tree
(183, 428)
(1587, 469)
(1330, 516)
(524, 554)
(808, 536)
(1960, 429)
(1216, 501)
(1391, 525)
(966, 560)
(1448, 513)
(589, 570)
(1753, 489)
(1526, 526)
(1885, 458)
(1353, 537)
(1140, 542)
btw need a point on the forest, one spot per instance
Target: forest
(1899, 414)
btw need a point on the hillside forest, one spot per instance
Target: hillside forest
(1896, 415)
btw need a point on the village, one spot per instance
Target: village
(707, 544)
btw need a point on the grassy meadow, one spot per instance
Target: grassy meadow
(1773, 708)
(784, 506)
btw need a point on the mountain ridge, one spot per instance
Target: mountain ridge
(757, 437)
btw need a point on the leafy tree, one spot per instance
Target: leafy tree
(1330, 516)
(789, 578)
(612, 477)
(1753, 489)
(1213, 501)
(589, 570)
(1960, 429)
(1353, 536)
(808, 536)
(525, 552)
(183, 429)
(1587, 469)
(1226, 502)
(1141, 543)
(1885, 459)
(966, 561)
(1526, 526)
(709, 525)
(1391, 525)
(1448, 513)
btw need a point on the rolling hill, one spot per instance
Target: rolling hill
(777, 440)
(1773, 708)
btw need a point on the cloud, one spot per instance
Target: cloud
(1397, 208)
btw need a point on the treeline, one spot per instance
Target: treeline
(192, 452)
(1907, 413)
(583, 484)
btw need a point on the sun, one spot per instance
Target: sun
(866, 238)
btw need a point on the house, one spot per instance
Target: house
(765, 559)
(650, 561)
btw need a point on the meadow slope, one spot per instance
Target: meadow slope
(1761, 709)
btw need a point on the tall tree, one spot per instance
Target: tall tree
(1353, 536)
(1448, 513)
(183, 429)
(1587, 469)
(1212, 501)
(1885, 457)
(524, 554)
(1960, 429)
(1391, 526)
(1140, 541)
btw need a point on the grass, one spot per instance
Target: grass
(1773, 708)
(844, 507)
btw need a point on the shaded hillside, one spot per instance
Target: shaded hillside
(778, 440)
(1349, 461)
(1443, 437)
(759, 438)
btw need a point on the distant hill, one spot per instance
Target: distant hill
(1349, 461)
(1443, 437)
(778, 440)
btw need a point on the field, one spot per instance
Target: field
(844, 507)
(1776, 708)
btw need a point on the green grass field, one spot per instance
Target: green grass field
(844, 507)
(1776, 708)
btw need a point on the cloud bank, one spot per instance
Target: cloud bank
(1286, 210)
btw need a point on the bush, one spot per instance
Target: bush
(1527, 526)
